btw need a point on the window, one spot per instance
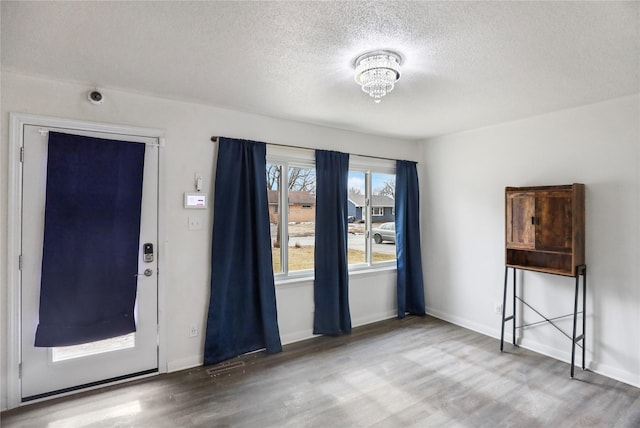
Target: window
(371, 238)
(383, 226)
(357, 215)
(291, 180)
(92, 348)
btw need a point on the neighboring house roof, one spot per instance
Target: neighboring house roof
(376, 200)
(295, 197)
(357, 200)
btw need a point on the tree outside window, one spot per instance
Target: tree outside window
(293, 229)
(291, 183)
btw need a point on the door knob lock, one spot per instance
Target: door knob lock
(147, 272)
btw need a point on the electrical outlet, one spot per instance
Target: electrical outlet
(193, 330)
(497, 308)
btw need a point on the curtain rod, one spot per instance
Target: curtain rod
(216, 139)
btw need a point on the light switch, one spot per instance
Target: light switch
(195, 223)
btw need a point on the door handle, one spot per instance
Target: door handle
(147, 272)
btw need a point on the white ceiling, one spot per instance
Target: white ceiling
(467, 64)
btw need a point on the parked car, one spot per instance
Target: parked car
(386, 232)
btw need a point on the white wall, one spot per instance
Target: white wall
(464, 176)
(189, 128)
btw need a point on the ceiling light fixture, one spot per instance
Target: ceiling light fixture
(377, 72)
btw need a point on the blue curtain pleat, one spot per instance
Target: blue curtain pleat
(242, 313)
(91, 233)
(409, 256)
(331, 285)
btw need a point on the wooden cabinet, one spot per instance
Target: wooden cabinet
(545, 228)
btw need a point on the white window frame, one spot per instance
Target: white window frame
(377, 211)
(370, 166)
(305, 158)
(288, 157)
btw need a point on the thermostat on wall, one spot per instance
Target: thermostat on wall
(195, 200)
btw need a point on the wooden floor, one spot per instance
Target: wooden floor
(418, 372)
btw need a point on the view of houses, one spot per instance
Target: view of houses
(382, 208)
(298, 230)
(302, 207)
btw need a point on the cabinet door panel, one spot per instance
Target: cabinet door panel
(520, 227)
(554, 224)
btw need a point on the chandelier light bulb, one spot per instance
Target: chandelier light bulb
(377, 72)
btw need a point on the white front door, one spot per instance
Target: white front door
(48, 371)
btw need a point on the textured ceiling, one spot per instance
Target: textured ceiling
(467, 64)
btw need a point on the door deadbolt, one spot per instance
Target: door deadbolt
(147, 252)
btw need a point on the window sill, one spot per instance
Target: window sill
(292, 281)
(366, 270)
(295, 280)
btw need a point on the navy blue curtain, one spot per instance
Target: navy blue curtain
(409, 256)
(331, 286)
(242, 307)
(91, 234)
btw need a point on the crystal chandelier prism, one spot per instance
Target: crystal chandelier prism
(377, 72)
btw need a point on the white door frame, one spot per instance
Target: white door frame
(14, 236)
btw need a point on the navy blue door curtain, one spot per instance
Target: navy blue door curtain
(331, 285)
(242, 307)
(91, 234)
(409, 257)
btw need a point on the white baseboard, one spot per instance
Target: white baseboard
(540, 348)
(286, 339)
(615, 373)
(184, 363)
(370, 319)
(463, 322)
(296, 336)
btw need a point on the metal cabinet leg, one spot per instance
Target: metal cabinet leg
(575, 316)
(582, 271)
(584, 315)
(504, 307)
(511, 317)
(513, 314)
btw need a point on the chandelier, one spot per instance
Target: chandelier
(377, 72)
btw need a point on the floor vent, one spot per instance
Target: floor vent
(224, 367)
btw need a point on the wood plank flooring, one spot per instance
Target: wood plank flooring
(417, 372)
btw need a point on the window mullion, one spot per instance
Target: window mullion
(284, 217)
(367, 222)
